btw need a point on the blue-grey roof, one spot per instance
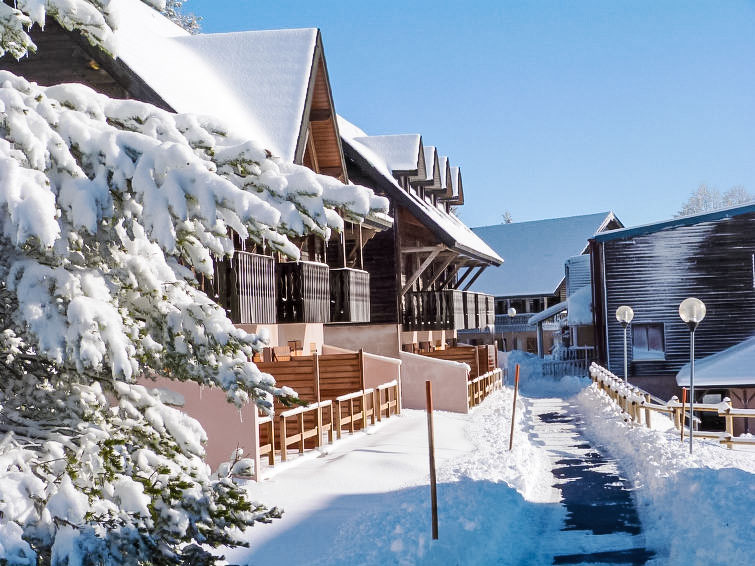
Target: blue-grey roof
(534, 253)
(691, 220)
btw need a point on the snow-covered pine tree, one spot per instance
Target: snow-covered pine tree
(174, 10)
(108, 208)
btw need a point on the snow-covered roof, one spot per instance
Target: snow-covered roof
(255, 81)
(553, 310)
(452, 231)
(400, 152)
(431, 165)
(443, 165)
(733, 366)
(579, 306)
(535, 253)
(691, 220)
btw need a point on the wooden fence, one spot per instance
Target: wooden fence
(480, 359)
(639, 405)
(480, 387)
(333, 387)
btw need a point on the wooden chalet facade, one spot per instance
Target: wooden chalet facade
(653, 269)
(422, 267)
(296, 122)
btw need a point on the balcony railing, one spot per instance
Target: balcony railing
(447, 310)
(349, 295)
(245, 286)
(303, 292)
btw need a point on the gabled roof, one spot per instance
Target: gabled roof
(447, 227)
(731, 367)
(455, 194)
(402, 153)
(257, 82)
(432, 167)
(535, 253)
(690, 220)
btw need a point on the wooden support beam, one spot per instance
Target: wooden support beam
(464, 276)
(451, 276)
(440, 271)
(476, 275)
(425, 264)
(421, 249)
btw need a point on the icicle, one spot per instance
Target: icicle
(241, 417)
(201, 388)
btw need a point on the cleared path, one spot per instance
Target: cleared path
(601, 525)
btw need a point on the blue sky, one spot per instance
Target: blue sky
(552, 108)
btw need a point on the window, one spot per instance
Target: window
(647, 342)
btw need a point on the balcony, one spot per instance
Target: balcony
(447, 310)
(303, 292)
(349, 295)
(245, 286)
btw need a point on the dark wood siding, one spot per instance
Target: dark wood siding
(65, 57)
(653, 273)
(380, 261)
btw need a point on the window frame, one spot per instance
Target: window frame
(660, 356)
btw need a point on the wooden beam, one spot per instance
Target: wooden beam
(440, 271)
(320, 114)
(425, 264)
(450, 277)
(421, 249)
(476, 275)
(464, 276)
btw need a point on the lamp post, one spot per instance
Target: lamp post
(512, 313)
(625, 315)
(692, 312)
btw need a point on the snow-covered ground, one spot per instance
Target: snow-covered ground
(365, 500)
(695, 509)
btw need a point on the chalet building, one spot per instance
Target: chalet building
(271, 86)
(422, 267)
(545, 267)
(652, 269)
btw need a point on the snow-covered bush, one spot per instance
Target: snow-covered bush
(108, 210)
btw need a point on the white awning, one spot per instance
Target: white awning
(547, 313)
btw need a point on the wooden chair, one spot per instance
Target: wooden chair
(282, 353)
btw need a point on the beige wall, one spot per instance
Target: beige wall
(227, 428)
(280, 334)
(449, 381)
(380, 339)
(432, 336)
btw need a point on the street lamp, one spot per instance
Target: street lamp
(625, 315)
(692, 312)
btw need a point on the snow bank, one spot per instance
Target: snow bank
(695, 509)
(532, 383)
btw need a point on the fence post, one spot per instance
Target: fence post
(729, 422)
(647, 410)
(513, 410)
(684, 400)
(282, 439)
(431, 444)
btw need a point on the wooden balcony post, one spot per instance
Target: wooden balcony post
(301, 433)
(338, 420)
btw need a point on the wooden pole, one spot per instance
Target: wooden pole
(513, 410)
(431, 443)
(684, 400)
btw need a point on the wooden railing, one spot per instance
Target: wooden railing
(314, 430)
(639, 404)
(245, 286)
(349, 295)
(479, 388)
(448, 309)
(303, 292)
